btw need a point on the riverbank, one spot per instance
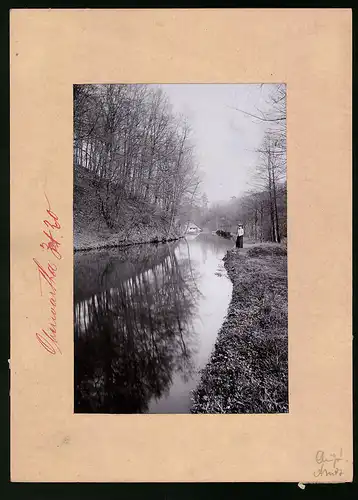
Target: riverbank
(86, 240)
(248, 369)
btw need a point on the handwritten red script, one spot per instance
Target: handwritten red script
(47, 273)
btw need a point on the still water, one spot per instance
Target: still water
(146, 319)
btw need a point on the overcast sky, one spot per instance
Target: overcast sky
(224, 139)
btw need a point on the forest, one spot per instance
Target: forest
(136, 175)
(133, 159)
(146, 316)
(263, 208)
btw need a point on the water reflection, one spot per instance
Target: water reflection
(144, 324)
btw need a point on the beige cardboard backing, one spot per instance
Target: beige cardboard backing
(310, 50)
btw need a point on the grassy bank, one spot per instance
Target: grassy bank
(248, 369)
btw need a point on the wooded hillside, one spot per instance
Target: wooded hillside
(134, 165)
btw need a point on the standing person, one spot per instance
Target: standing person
(240, 236)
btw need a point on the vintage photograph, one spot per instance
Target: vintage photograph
(180, 248)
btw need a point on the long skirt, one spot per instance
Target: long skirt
(240, 242)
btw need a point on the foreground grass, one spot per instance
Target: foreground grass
(248, 370)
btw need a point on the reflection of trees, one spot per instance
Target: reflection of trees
(95, 272)
(214, 243)
(131, 339)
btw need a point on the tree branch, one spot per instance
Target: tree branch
(259, 117)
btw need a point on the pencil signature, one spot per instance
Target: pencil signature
(329, 465)
(47, 337)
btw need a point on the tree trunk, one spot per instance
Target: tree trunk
(275, 207)
(272, 212)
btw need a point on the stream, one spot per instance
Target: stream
(146, 319)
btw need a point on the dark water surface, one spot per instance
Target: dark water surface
(146, 320)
